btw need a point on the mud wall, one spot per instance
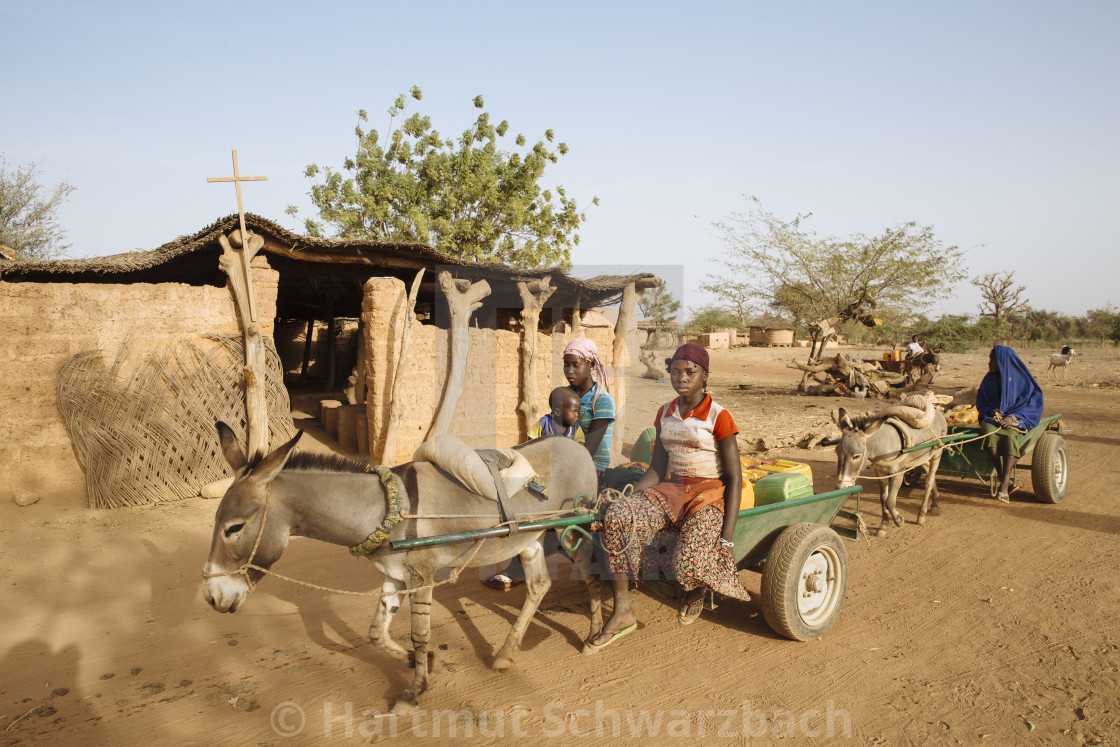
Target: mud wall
(486, 414)
(46, 323)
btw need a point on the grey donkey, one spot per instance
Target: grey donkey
(339, 501)
(872, 441)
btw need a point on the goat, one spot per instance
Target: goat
(1061, 360)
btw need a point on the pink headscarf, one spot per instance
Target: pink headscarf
(582, 347)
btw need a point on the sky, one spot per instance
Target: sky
(993, 122)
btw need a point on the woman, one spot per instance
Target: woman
(1009, 402)
(696, 445)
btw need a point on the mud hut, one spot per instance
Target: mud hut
(121, 318)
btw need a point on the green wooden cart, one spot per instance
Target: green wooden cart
(965, 458)
(796, 545)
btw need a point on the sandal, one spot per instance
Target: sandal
(613, 635)
(690, 610)
(502, 582)
(1003, 497)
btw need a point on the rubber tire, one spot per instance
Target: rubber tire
(1050, 457)
(781, 580)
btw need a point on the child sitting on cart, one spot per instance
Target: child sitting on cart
(561, 420)
(1009, 401)
(696, 445)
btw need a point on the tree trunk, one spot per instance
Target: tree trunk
(533, 295)
(463, 299)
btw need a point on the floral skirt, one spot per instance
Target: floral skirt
(641, 541)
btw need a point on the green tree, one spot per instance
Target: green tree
(811, 277)
(710, 318)
(29, 216)
(659, 306)
(470, 196)
(735, 295)
(1102, 323)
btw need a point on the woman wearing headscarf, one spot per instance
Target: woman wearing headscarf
(586, 374)
(1009, 402)
(695, 511)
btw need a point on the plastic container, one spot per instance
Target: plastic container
(781, 487)
(777, 466)
(750, 477)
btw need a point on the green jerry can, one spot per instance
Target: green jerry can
(782, 486)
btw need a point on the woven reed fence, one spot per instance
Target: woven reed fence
(148, 435)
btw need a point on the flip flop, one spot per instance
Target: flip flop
(501, 582)
(1003, 498)
(689, 611)
(591, 648)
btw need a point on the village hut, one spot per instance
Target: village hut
(114, 368)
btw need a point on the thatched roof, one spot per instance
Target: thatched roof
(319, 278)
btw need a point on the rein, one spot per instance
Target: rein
(394, 514)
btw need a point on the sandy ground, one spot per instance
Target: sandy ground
(991, 624)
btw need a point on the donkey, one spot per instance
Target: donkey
(882, 447)
(1061, 361)
(921, 367)
(336, 500)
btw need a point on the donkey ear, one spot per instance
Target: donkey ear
(842, 420)
(230, 448)
(270, 466)
(872, 426)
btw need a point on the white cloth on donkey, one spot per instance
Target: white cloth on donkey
(453, 456)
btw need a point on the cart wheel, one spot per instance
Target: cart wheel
(804, 581)
(1050, 468)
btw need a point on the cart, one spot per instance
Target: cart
(794, 544)
(1044, 444)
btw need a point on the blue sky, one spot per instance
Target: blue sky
(994, 122)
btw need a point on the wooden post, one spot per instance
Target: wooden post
(577, 325)
(463, 299)
(306, 351)
(237, 179)
(622, 325)
(234, 263)
(389, 448)
(533, 295)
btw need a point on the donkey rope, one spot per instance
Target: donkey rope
(335, 500)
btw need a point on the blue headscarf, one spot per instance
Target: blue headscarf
(1013, 391)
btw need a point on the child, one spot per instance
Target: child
(587, 377)
(696, 443)
(563, 420)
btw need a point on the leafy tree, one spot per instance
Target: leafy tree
(811, 277)
(28, 217)
(710, 318)
(659, 306)
(466, 196)
(1102, 323)
(735, 294)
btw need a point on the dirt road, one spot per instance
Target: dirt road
(991, 624)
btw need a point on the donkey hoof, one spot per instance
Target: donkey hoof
(921, 520)
(880, 532)
(899, 520)
(502, 663)
(934, 511)
(405, 704)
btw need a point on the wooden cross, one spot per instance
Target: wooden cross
(237, 179)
